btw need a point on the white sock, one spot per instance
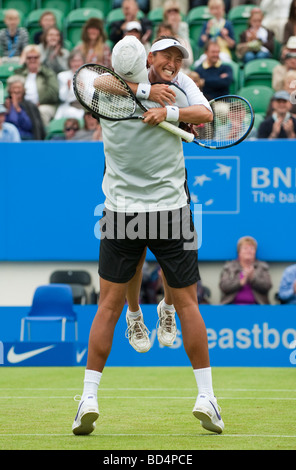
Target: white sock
(168, 307)
(204, 381)
(91, 382)
(134, 315)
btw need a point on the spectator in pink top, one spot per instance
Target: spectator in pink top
(245, 280)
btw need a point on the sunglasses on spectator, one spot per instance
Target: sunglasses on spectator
(33, 57)
(173, 10)
(71, 129)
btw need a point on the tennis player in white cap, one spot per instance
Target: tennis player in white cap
(145, 176)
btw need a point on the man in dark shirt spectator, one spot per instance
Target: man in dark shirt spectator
(217, 75)
(280, 125)
(130, 11)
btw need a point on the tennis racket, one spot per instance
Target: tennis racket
(106, 95)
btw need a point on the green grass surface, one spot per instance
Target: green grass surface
(147, 409)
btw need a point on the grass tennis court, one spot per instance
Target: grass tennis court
(147, 409)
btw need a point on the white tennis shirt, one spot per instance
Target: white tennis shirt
(145, 168)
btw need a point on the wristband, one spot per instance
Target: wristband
(143, 91)
(172, 113)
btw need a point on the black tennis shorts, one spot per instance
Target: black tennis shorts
(170, 235)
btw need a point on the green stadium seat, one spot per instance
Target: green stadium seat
(6, 70)
(103, 5)
(155, 16)
(259, 97)
(259, 117)
(75, 20)
(239, 16)
(195, 19)
(24, 6)
(32, 20)
(236, 82)
(259, 72)
(63, 5)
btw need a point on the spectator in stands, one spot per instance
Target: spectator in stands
(256, 42)
(290, 26)
(184, 5)
(280, 125)
(23, 113)
(130, 11)
(287, 290)
(13, 39)
(91, 130)
(8, 132)
(164, 29)
(134, 28)
(69, 106)
(93, 46)
(280, 71)
(71, 127)
(41, 83)
(172, 16)
(289, 48)
(200, 82)
(144, 5)
(276, 14)
(53, 54)
(217, 76)
(245, 280)
(218, 28)
(47, 20)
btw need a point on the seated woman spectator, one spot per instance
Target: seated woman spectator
(53, 54)
(91, 130)
(245, 280)
(287, 290)
(218, 28)
(47, 20)
(41, 83)
(93, 46)
(13, 39)
(256, 42)
(290, 26)
(69, 106)
(23, 113)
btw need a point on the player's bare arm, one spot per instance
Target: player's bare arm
(160, 93)
(196, 114)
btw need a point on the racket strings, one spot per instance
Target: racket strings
(104, 93)
(232, 120)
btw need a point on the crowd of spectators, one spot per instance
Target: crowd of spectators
(40, 89)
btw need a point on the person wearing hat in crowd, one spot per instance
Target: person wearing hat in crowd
(134, 28)
(145, 184)
(280, 125)
(288, 63)
(8, 131)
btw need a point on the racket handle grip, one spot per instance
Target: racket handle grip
(177, 131)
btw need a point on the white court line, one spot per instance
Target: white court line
(220, 436)
(145, 397)
(161, 389)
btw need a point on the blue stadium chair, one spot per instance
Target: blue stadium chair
(51, 303)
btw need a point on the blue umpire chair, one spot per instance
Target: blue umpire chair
(51, 303)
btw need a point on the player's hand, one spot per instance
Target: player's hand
(154, 116)
(162, 94)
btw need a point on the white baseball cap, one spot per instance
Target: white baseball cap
(291, 44)
(129, 60)
(133, 25)
(163, 44)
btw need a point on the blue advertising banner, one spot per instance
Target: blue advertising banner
(51, 199)
(251, 336)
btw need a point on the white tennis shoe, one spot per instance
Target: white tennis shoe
(87, 414)
(137, 334)
(207, 411)
(166, 325)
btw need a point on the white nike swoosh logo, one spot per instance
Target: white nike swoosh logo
(15, 358)
(79, 355)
